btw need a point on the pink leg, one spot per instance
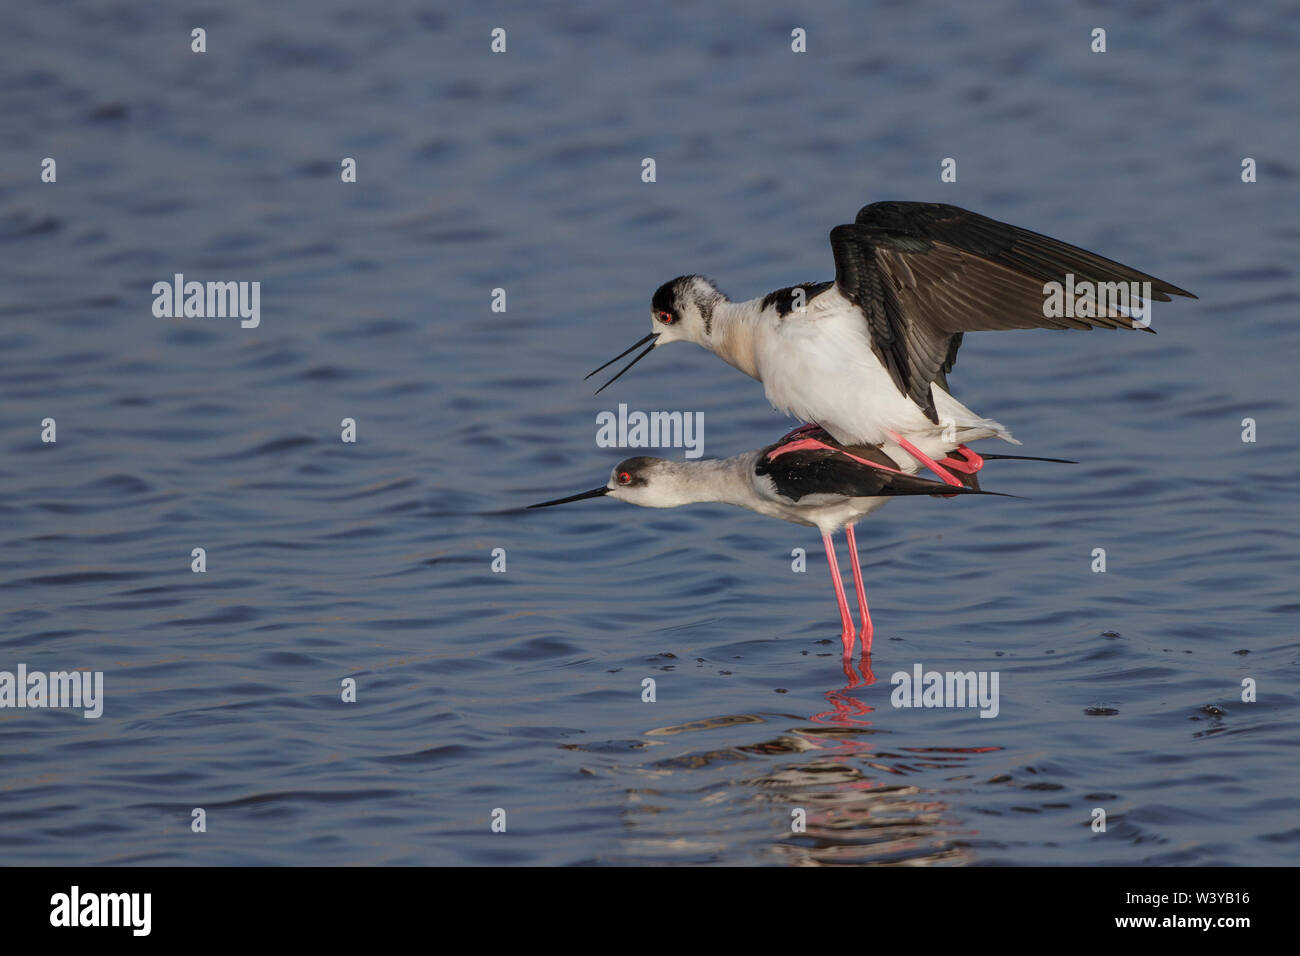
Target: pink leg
(867, 628)
(846, 619)
(801, 430)
(812, 444)
(968, 464)
(925, 459)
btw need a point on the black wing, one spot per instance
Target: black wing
(825, 471)
(923, 273)
(784, 299)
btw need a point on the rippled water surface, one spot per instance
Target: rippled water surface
(522, 690)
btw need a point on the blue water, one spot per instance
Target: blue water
(522, 690)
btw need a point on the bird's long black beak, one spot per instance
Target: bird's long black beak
(652, 338)
(594, 493)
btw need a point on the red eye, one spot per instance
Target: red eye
(624, 478)
(666, 318)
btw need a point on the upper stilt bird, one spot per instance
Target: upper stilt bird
(805, 478)
(866, 356)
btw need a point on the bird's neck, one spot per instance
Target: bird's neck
(724, 481)
(734, 334)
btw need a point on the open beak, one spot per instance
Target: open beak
(652, 338)
(594, 493)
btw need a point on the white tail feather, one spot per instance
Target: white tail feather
(969, 426)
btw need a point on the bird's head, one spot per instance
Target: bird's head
(681, 310)
(647, 482)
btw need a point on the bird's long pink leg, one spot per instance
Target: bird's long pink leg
(812, 444)
(867, 628)
(925, 459)
(846, 619)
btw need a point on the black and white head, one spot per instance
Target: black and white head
(681, 310)
(647, 482)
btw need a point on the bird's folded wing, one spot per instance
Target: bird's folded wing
(797, 474)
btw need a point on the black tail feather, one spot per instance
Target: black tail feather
(1061, 461)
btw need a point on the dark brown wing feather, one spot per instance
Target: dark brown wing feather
(923, 273)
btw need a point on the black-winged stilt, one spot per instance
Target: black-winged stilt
(804, 478)
(866, 356)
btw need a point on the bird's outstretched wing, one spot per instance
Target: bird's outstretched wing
(923, 273)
